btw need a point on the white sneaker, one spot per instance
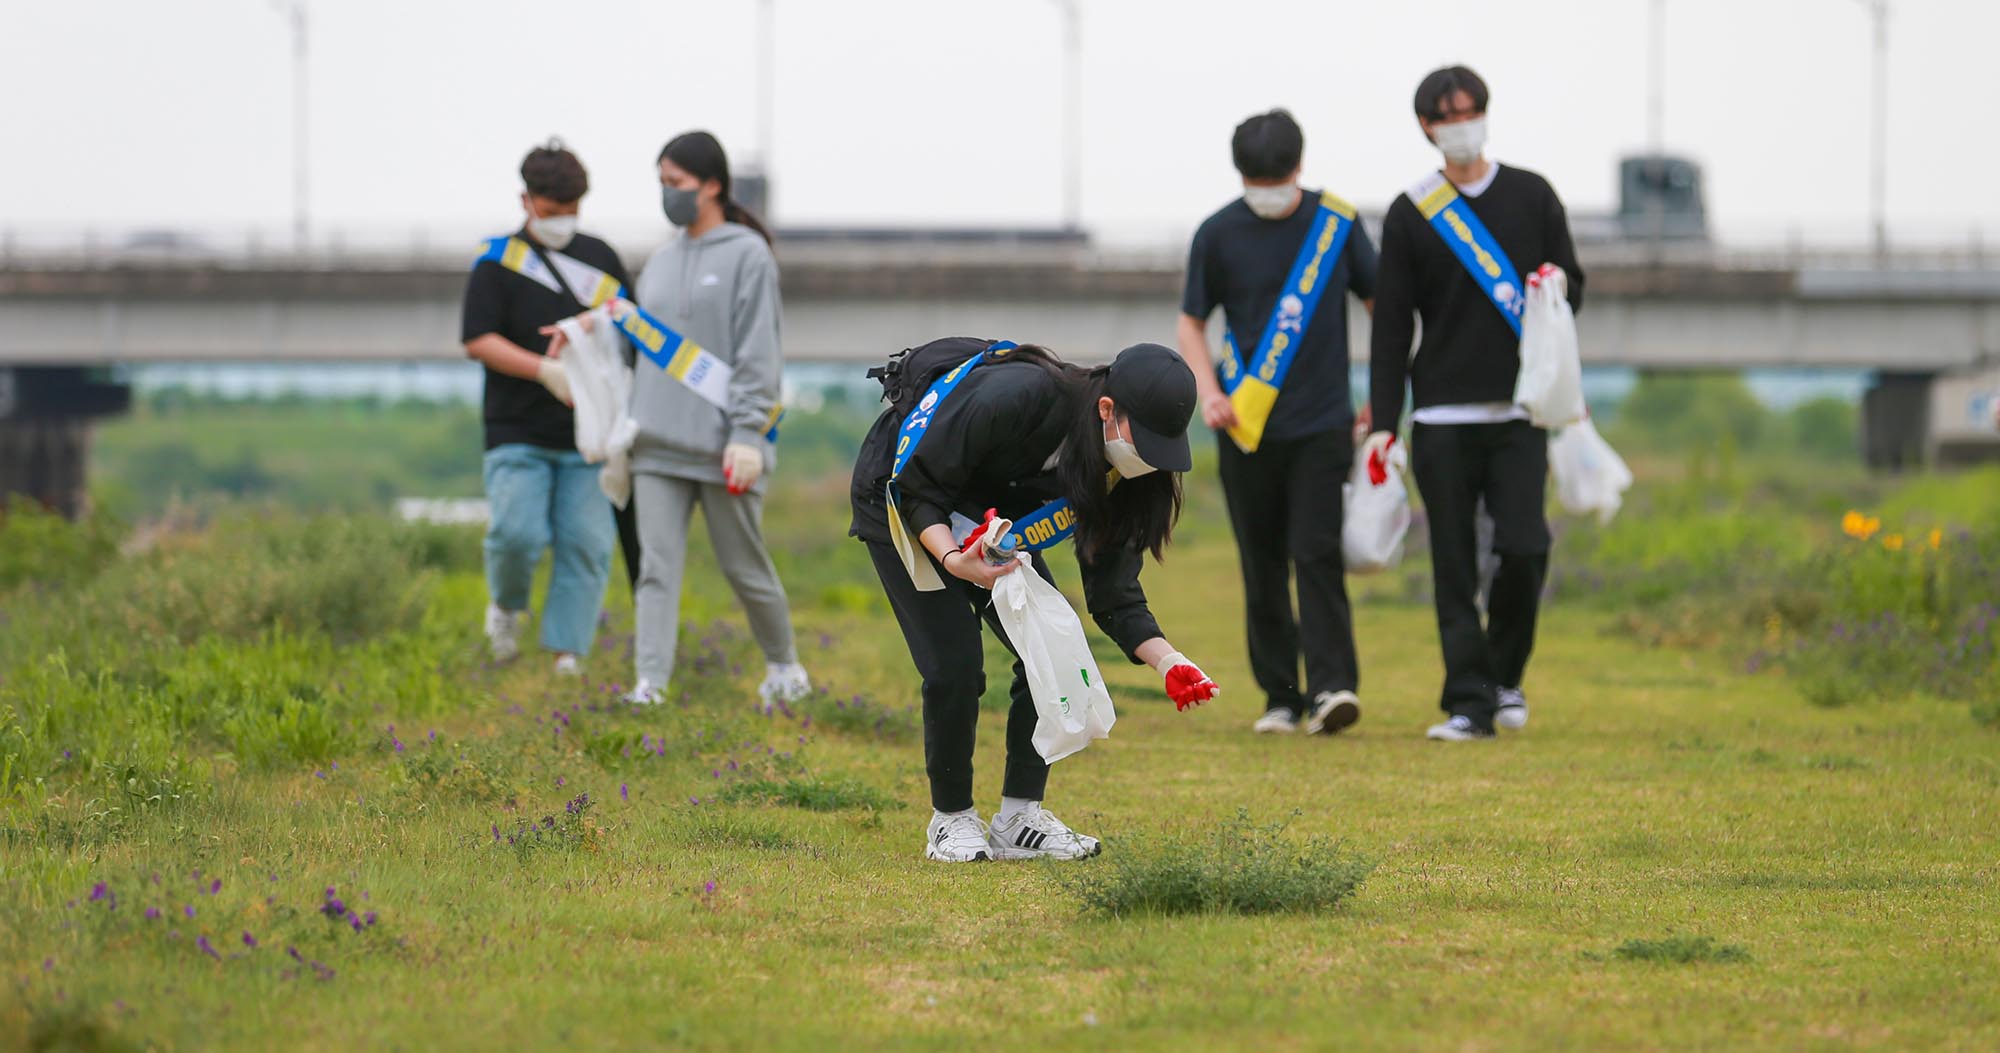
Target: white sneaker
(644, 693)
(1035, 833)
(958, 838)
(1333, 712)
(566, 665)
(1458, 729)
(503, 631)
(784, 682)
(1513, 712)
(1279, 721)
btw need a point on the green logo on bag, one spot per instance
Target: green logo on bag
(1063, 704)
(1085, 673)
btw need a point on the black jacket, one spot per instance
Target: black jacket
(986, 448)
(1468, 352)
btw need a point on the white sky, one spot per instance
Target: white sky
(125, 113)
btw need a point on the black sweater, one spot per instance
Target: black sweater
(1469, 352)
(985, 448)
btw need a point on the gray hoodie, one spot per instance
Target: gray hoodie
(721, 291)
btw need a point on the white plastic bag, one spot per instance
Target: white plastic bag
(1377, 514)
(1590, 476)
(1550, 384)
(1070, 700)
(601, 384)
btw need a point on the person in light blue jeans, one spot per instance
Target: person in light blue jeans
(541, 498)
(539, 491)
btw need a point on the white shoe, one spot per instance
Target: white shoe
(1513, 712)
(566, 665)
(503, 631)
(1333, 712)
(957, 838)
(1035, 833)
(644, 693)
(1457, 729)
(784, 682)
(1279, 721)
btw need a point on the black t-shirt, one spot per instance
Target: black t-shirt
(1468, 353)
(498, 300)
(1240, 262)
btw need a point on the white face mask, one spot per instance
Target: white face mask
(1463, 142)
(1270, 202)
(553, 232)
(1123, 455)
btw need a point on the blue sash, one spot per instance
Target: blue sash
(1253, 389)
(1442, 207)
(1045, 527)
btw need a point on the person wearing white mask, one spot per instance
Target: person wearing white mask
(1280, 261)
(976, 428)
(540, 492)
(1454, 249)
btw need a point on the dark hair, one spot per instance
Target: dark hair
(1442, 84)
(1267, 146)
(551, 171)
(701, 156)
(1137, 513)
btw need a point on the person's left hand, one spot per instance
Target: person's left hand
(742, 466)
(1187, 685)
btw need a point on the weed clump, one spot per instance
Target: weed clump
(811, 793)
(1238, 868)
(1680, 950)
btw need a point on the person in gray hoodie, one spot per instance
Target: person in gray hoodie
(716, 283)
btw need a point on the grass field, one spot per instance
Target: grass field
(1674, 855)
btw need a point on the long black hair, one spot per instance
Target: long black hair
(1137, 513)
(700, 155)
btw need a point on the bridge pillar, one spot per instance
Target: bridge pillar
(1895, 421)
(45, 416)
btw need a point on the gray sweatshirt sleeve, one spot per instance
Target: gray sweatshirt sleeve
(759, 365)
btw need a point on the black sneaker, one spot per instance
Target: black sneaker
(1333, 712)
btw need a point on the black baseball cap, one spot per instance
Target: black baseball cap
(1154, 389)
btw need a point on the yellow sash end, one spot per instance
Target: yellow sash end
(1252, 401)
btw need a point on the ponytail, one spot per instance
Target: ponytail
(736, 213)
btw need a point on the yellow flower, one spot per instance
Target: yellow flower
(1870, 528)
(1852, 523)
(1893, 542)
(1937, 538)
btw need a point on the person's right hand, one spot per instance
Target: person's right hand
(967, 566)
(1376, 451)
(554, 377)
(1217, 411)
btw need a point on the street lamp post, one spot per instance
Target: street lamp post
(1878, 132)
(1072, 114)
(295, 10)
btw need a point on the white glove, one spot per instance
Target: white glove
(1376, 446)
(742, 466)
(555, 378)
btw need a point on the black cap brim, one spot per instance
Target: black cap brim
(1166, 453)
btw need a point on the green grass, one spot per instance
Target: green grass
(554, 870)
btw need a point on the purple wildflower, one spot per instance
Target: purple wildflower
(322, 775)
(354, 920)
(152, 913)
(369, 917)
(249, 940)
(207, 947)
(294, 952)
(560, 780)
(709, 889)
(215, 886)
(623, 793)
(496, 827)
(100, 892)
(48, 965)
(188, 910)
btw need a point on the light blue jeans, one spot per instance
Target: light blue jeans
(540, 498)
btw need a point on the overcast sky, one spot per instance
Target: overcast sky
(123, 113)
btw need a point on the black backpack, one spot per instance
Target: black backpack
(911, 372)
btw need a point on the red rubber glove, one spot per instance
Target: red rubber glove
(1187, 685)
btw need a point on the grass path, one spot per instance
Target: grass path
(1851, 854)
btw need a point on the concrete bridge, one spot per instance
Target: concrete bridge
(1914, 318)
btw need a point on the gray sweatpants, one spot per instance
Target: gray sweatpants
(736, 530)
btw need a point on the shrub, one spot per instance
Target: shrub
(39, 546)
(812, 793)
(1238, 868)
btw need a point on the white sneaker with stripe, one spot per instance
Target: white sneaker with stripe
(1035, 833)
(956, 838)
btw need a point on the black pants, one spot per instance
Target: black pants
(942, 630)
(1508, 465)
(1284, 504)
(628, 539)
